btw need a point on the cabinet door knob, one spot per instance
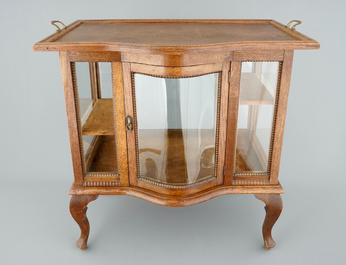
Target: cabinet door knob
(129, 123)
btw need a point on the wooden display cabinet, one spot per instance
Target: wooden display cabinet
(176, 112)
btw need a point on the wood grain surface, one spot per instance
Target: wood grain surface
(171, 36)
(101, 119)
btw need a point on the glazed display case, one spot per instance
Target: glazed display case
(176, 112)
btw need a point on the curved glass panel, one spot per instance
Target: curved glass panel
(258, 87)
(176, 127)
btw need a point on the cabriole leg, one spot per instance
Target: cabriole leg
(78, 209)
(273, 210)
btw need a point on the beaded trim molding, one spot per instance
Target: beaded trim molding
(274, 118)
(76, 97)
(217, 123)
(102, 174)
(250, 182)
(247, 174)
(101, 184)
(164, 185)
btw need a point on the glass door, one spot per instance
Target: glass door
(176, 128)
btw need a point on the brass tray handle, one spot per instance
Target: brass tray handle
(57, 21)
(294, 26)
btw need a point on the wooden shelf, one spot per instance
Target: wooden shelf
(249, 156)
(105, 158)
(101, 119)
(253, 92)
(176, 156)
(105, 155)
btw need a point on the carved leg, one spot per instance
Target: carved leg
(78, 209)
(273, 210)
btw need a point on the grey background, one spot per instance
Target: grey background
(36, 169)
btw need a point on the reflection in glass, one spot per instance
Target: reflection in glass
(176, 127)
(105, 71)
(258, 87)
(93, 82)
(84, 90)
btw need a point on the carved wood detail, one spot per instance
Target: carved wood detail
(101, 183)
(178, 200)
(78, 209)
(102, 174)
(169, 186)
(273, 210)
(250, 182)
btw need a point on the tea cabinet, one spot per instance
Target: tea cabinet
(176, 112)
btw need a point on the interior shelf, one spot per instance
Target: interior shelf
(253, 92)
(176, 156)
(101, 122)
(105, 156)
(101, 119)
(250, 157)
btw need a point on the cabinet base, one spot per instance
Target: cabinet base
(270, 195)
(176, 200)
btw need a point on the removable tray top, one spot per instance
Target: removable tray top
(153, 36)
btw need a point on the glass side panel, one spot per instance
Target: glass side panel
(105, 71)
(258, 87)
(93, 83)
(176, 127)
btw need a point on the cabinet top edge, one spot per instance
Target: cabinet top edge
(181, 36)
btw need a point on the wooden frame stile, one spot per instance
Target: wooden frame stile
(233, 105)
(118, 96)
(72, 118)
(131, 138)
(222, 149)
(278, 133)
